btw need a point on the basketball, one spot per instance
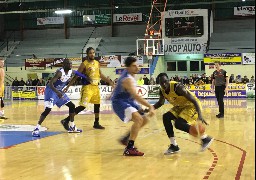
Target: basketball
(193, 129)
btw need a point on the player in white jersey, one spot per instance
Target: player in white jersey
(124, 105)
(55, 95)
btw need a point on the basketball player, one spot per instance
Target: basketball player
(220, 85)
(124, 104)
(90, 92)
(2, 75)
(55, 95)
(185, 112)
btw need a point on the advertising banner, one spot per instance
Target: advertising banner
(35, 63)
(133, 17)
(244, 11)
(187, 48)
(50, 20)
(139, 60)
(97, 19)
(250, 90)
(248, 58)
(224, 58)
(153, 91)
(21, 93)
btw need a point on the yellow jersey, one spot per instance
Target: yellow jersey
(175, 99)
(92, 70)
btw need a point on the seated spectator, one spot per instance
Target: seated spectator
(152, 81)
(21, 82)
(190, 80)
(146, 80)
(35, 81)
(252, 80)
(245, 80)
(15, 82)
(41, 82)
(200, 82)
(238, 79)
(140, 81)
(185, 80)
(231, 78)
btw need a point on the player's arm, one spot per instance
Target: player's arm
(181, 91)
(128, 85)
(53, 80)
(161, 100)
(104, 78)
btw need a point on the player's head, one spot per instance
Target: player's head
(163, 80)
(90, 53)
(67, 64)
(131, 65)
(217, 64)
(1, 62)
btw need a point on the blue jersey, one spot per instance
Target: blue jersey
(63, 80)
(120, 93)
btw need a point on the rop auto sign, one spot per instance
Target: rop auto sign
(196, 48)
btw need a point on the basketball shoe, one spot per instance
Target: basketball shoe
(206, 142)
(98, 126)
(172, 149)
(36, 132)
(74, 129)
(132, 152)
(65, 124)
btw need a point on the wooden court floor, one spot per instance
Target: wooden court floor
(97, 155)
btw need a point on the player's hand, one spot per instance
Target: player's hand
(151, 111)
(146, 110)
(65, 89)
(202, 119)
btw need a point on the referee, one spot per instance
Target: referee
(220, 85)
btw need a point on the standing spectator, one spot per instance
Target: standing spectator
(35, 81)
(22, 82)
(252, 80)
(15, 82)
(220, 85)
(140, 81)
(29, 82)
(146, 80)
(152, 81)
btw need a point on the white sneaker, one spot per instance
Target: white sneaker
(74, 130)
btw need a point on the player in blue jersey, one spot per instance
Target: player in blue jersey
(125, 106)
(55, 96)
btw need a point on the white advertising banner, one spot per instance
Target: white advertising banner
(134, 17)
(248, 58)
(244, 11)
(50, 20)
(185, 48)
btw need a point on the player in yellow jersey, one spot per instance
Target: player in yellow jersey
(2, 75)
(185, 112)
(90, 72)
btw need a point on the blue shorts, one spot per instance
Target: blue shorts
(51, 98)
(124, 109)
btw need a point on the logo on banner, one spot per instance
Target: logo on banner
(127, 17)
(185, 48)
(244, 11)
(141, 91)
(248, 58)
(187, 12)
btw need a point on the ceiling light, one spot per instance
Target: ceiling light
(63, 11)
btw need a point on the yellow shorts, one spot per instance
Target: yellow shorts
(187, 113)
(89, 94)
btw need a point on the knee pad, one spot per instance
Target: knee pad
(96, 108)
(71, 107)
(46, 112)
(182, 125)
(2, 102)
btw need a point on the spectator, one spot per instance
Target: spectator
(41, 82)
(238, 79)
(22, 83)
(140, 81)
(245, 80)
(185, 80)
(231, 78)
(190, 80)
(146, 80)
(252, 80)
(35, 81)
(29, 82)
(152, 81)
(15, 82)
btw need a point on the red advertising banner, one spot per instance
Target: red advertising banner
(35, 63)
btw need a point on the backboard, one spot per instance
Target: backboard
(150, 47)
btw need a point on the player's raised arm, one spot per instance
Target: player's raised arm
(181, 91)
(57, 75)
